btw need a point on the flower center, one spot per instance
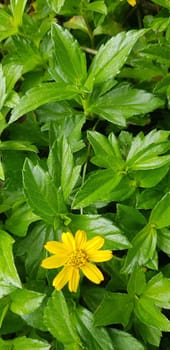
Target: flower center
(77, 259)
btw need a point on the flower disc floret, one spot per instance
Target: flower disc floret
(76, 254)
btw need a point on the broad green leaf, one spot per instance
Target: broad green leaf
(157, 52)
(2, 175)
(110, 310)
(164, 240)
(158, 290)
(143, 249)
(107, 153)
(69, 63)
(9, 279)
(148, 198)
(96, 188)
(129, 218)
(160, 215)
(111, 57)
(97, 6)
(58, 319)
(92, 337)
(2, 87)
(7, 26)
(148, 145)
(41, 192)
(17, 7)
(150, 178)
(100, 225)
(151, 315)
(69, 172)
(38, 96)
(148, 333)
(137, 282)
(56, 4)
(21, 217)
(18, 146)
(122, 103)
(24, 301)
(25, 343)
(12, 73)
(124, 341)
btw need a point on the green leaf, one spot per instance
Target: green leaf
(41, 192)
(25, 343)
(69, 63)
(107, 153)
(17, 7)
(97, 6)
(124, 341)
(92, 337)
(148, 333)
(158, 290)
(7, 26)
(137, 282)
(110, 310)
(160, 215)
(164, 240)
(143, 249)
(150, 178)
(96, 188)
(9, 279)
(56, 5)
(151, 315)
(20, 219)
(12, 73)
(122, 103)
(130, 219)
(2, 87)
(111, 57)
(58, 319)
(18, 146)
(100, 225)
(24, 301)
(38, 96)
(69, 172)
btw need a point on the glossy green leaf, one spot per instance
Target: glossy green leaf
(7, 26)
(96, 188)
(137, 282)
(158, 290)
(18, 146)
(38, 96)
(23, 343)
(97, 6)
(2, 87)
(111, 57)
(124, 341)
(58, 319)
(42, 195)
(9, 279)
(143, 249)
(69, 63)
(24, 301)
(122, 103)
(92, 337)
(17, 7)
(100, 225)
(151, 315)
(160, 215)
(20, 219)
(148, 334)
(110, 310)
(164, 240)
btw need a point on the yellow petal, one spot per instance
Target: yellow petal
(80, 239)
(100, 255)
(68, 240)
(74, 279)
(132, 2)
(94, 243)
(92, 273)
(54, 247)
(61, 279)
(53, 262)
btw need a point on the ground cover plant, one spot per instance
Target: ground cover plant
(84, 175)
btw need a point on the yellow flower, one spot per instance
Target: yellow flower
(132, 2)
(76, 253)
